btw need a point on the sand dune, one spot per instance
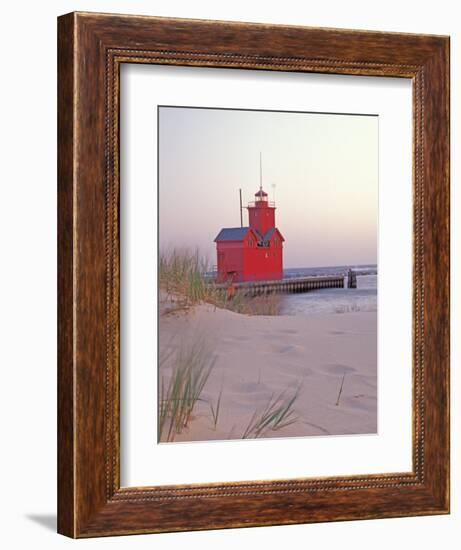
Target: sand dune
(259, 356)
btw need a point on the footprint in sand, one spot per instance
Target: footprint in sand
(268, 335)
(360, 402)
(249, 387)
(336, 369)
(288, 349)
(234, 339)
(297, 370)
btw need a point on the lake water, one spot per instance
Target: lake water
(333, 300)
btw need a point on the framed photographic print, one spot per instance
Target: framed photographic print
(253, 275)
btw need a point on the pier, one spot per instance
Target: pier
(286, 286)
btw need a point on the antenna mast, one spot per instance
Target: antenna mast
(241, 208)
(260, 171)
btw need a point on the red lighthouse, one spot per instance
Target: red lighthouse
(253, 253)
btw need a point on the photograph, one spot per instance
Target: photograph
(267, 274)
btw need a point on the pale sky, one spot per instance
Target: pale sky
(324, 167)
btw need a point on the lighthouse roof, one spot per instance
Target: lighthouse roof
(239, 233)
(270, 233)
(261, 193)
(232, 234)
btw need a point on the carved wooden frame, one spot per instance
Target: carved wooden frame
(91, 49)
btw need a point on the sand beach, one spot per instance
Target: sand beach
(328, 360)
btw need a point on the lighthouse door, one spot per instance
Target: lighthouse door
(221, 263)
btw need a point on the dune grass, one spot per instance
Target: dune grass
(278, 413)
(340, 390)
(183, 274)
(266, 304)
(191, 367)
(180, 391)
(215, 409)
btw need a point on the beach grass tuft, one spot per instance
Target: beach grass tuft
(182, 272)
(215, 409)
(278, 413)
(267, 304)
(192, 366)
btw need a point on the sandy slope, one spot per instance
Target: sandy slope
(259, 356)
